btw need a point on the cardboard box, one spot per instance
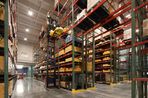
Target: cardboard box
(106, 52)
(61, 62)
(10, 87)
(106, 65)
(77, 69)
(99, 60)
(2, 43)
(1, 62)
(69, 48)
(62, 70)
(70, 59)
(89, 66)
(68, 69)
(61, 52)
(56, 55)
(1, 90)
(2, 13)
(107, 77)
(108, 70)
(63, 84)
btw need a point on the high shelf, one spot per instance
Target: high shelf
(40, 54)
(103, 29)
(8, 48)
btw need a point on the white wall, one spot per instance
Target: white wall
(25, 53)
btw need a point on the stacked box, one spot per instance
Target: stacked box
(107, 77)
(2, 63)
(106, 65)
(61, 62)
(77, 69)
(69, 48)
(10, 87)
(106, 52)
(70, 59)
(108, 70)
(1, 90)
(2, 43)
(89, 66)
(2, 13)
(68, 69)
(56, 55)
(63, 84)
(62, 70)
(61, 52)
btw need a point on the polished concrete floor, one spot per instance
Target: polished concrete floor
(31, 88)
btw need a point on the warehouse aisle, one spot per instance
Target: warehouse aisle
(31, 88)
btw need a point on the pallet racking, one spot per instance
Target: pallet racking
(115, 19)
(40, 54)
(8, 46)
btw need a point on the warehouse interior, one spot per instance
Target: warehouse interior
(73, 48)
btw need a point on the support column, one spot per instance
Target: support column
(6, 51)
(133, 66)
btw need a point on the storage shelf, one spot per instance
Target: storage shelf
(108, 55)
(68, 64)
(91, 21)
(104, 38)
(103, 44)
(68, 54)
(86, 24)
(98, 51)
(103, 67)
(103, 62)
(68, 44)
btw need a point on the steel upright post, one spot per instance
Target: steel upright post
(133, 74)
(140, 64)
(73, 52)
(83, 64)
(93, 62)
(6, 50)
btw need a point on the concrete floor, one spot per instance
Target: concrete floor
(31, 88)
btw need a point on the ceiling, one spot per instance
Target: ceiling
(33, 23)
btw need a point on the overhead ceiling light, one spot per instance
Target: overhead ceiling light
(30, 13)
(27, 30)
(137, 30)
(25, 39)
